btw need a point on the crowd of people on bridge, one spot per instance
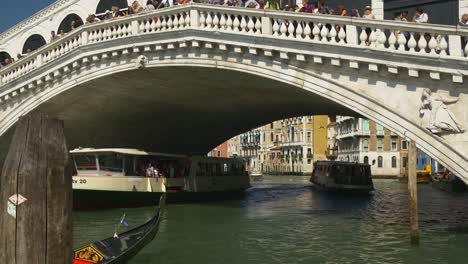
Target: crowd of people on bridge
(306, 6)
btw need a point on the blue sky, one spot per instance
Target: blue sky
(15, 11)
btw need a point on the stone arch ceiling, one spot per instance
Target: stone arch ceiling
(176, 109)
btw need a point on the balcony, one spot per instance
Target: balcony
(293, 144)
(346, 134)
(380, 133)
(362, 133)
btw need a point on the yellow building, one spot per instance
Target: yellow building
(292, 145)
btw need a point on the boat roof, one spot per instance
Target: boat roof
(125, 151)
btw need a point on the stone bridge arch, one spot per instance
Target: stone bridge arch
(337, 93)
(304, 80)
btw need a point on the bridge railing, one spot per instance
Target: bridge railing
(387, 36)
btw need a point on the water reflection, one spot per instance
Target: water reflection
(285, 220)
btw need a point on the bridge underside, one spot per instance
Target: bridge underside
(176, 109)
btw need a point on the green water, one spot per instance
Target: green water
(285, 220)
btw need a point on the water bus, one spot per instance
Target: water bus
(342, 176)
(106, 178)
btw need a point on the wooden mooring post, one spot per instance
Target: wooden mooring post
(413, 193)
(36, 195)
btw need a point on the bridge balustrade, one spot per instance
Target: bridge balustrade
(435, 41)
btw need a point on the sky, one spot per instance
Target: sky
(16, 11)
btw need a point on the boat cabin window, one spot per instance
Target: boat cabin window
(111, 162)
(85, 162)
(219, 169)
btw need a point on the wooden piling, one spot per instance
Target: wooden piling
(38, 230)
(413, 193)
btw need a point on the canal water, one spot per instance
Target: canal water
(285, 220)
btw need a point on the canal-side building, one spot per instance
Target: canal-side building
(288, 146)
(250, 149)
(220, 151)
(365, 141)
(233, 147)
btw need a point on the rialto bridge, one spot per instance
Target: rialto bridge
(186, 78)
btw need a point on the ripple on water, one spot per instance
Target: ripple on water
(285, 220)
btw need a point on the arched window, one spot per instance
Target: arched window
(33, 43)
(394, 162)
(3, 56)
(105, 5)
(379, 162)
(271, 136)
(366, 160)
(66, 24)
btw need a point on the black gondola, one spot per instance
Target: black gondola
(122, 248)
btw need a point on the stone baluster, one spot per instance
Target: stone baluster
(394, 39)
(251, 25)
(153, 25)
(229, 23)
(243, 24)
(332, 34)
(373, 38)
(158, 24)
(432, 45)
(363, 37)
(412, 42)
(324, 33)
(222, 22)
(381, 38)
(164, 23)
(118, 32)
(422, 43)
(443, 45)
(300, 30)
(170, 22)
(202, 19)
(216, 21)
(175, 22)
(258, 25)
(342, 35)
(283, 29)
(307, 30)
(275, 28)
(236, 24)
(291, 30)
(209, 20)
(316, 32)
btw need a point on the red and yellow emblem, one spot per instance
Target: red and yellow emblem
(88, 254)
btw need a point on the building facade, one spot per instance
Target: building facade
(220, 151)
(285, 147)
(365, 141)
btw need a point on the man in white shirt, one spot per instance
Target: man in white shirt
(420, 16)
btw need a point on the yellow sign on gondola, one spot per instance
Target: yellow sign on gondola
(89, 254)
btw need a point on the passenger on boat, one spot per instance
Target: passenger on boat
(150, 171)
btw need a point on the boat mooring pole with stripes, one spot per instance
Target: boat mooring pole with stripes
(36, 195)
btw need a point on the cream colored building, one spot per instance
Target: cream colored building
(288, 146)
